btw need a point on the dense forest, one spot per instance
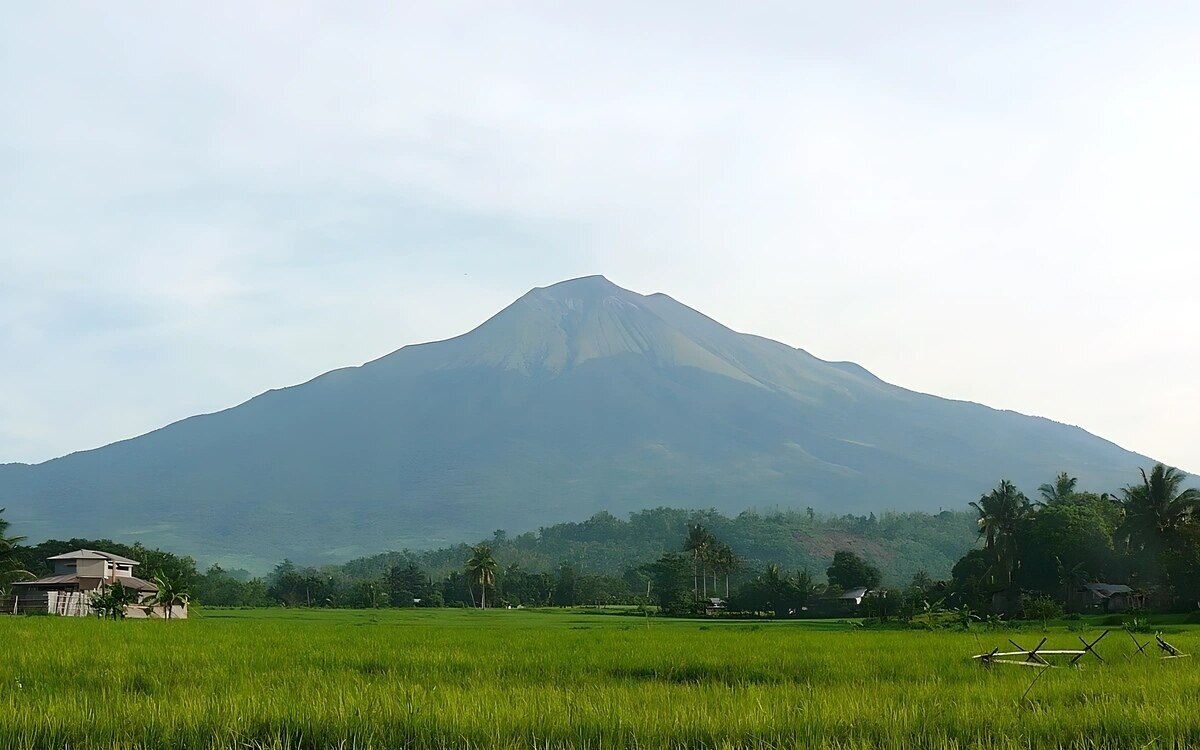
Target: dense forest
(603, 556)
(1146, 536)
(1007, 554)
(902, 543)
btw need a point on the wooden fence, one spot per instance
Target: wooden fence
(22, 604)
(65, 603)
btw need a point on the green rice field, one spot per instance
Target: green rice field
(508, 679)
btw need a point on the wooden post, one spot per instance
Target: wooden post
(1141, 647)
(986, 660)
(1032, 655)
(1172, 652)
(1090, 647)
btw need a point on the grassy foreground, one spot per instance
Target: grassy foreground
(500, 679)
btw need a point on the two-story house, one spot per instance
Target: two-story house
(77, 575)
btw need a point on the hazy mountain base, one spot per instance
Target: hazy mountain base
(900, 544)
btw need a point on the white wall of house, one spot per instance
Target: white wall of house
(85, 568)
(138, 612)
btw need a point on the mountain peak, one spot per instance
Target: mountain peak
(588, 289)
(584, 283)
(552, 330)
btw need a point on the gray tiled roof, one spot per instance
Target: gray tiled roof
(129, 582)
(91, 554)
(1108, 589)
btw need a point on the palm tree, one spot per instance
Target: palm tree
(708, 562)
(724, 561)
(374, 595)
(110, 602)
(698, 542)
(481, 566)
(10, 564)
(778, 588)
(170, 594)
(12, 541)
(1060, 491)
(1156, 509)
(1070, 578)
(1002, 513)
(807, 588)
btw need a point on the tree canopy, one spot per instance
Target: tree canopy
(850, 571)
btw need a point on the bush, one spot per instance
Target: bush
(1139, 624)
(1042, 608)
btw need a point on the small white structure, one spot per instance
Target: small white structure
(77, 577)
(854, 596)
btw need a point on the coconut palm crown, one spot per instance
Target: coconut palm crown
(1002, 513)
(481, 566)
(1060, 490)
(1157, 508)
(170, 594)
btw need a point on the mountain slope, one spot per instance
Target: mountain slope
(578, 397)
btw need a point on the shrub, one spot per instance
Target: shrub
(1139, 623)
(1042, 608)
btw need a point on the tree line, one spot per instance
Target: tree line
(1146, 534)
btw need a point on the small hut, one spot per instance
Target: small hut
(1112, 597)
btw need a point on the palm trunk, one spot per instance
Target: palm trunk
(695, 575)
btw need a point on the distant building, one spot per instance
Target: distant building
(77, 577)
(855, 596)
(849, 603)
(1112, 597)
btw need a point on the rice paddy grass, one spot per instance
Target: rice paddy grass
(509, 679)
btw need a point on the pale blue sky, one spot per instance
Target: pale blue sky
(994, 202)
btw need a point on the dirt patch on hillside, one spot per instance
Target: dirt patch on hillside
(825, 544)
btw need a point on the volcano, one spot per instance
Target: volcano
(578, 397)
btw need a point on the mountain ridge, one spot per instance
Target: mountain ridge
(578, 397)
